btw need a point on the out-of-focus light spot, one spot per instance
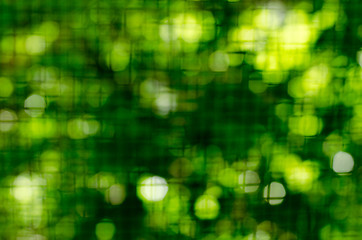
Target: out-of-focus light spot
(219, 61)
(342, 163)
(283, 111)
(249, 181)
(177, 208)
(6, 88)
(165, 103)
(228, 177)
(189, 29)
(184, 26)
(257, 86)
(215, 191)
(23, 190)
(27, 234)
(235, 59)
(296, 36)
(34, 105)
(355, 129)
(7, 45)
(187, 226)
(301, 176)
(50, 161)
(353, 83)
(206, 207)
(295, 88)
(254, 157)
(7, 120)
(91, 127)
(35, 45)
(333, 144)
(357, 110)
(39, 128)
(281, 162)
(167, 31)
(274, 193)
(152, 189)
(46, 77)
(105, 229)
(269, 18)
(116, 194)
(27, 188)
(181, 167)
(150, 88)
(134, 22)
(157, 220)
(174, 206)
(101, 180)
(77, 128)
(325, 18)
(306, 125)
(316, 79)
(268, 61)
(259, 235)
(118, 58)
(249, 38)
(287, 236)
(50, 30)
(359, 57)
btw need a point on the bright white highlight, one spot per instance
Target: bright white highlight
(153, 189)
(342, 162)
(274, 193)
(249, 181)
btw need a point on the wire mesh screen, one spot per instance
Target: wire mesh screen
(180, 119)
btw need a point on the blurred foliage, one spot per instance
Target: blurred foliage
(180, 119)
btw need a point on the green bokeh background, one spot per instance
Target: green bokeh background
(97, 96)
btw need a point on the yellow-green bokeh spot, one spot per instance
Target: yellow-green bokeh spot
(39, 128)
(191, 27)
(219, 61)
(49, 30)
(116, 194)
(50, 161)
(281, 162)
(119, 56)
(105, 230)
(306, 125)
(101, 180)
(315, 79)
(6, 87)
(228, 177)
(27, 188)
(35, 44)
(34, 105)
(333, 143)
(79, 128)
(207, 207)
(301, 176)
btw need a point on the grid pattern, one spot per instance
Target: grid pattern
(180, 119)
